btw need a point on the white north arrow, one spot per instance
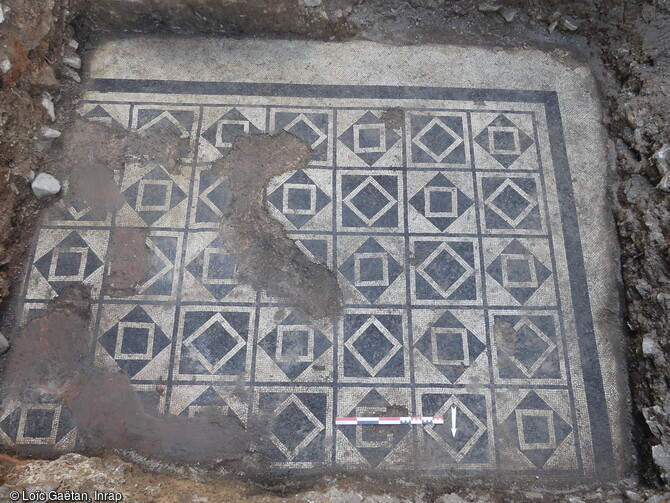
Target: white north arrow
(453, 420)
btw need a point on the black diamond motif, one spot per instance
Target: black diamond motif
(386, 269)
(223, 132)
(214, 343)
(215, 269)
(518, 271)
(135, 340)
(373, 345)
(69, 258)
(154, 195)
(299, 199)
(372, 134)
(375, 443)
(504, 141)
(426, 344)
(441, 202)
(296, 366)
(540, 425)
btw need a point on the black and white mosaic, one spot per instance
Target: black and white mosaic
(449, 232)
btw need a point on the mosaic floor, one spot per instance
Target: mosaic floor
(453, 236)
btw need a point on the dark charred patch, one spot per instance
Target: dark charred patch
(109, 414)
(50, 362)
(267, 258)
(93, 152)
(129, 259)
(52, 350)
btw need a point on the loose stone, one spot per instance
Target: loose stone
(48, 132)
(489, 7)
(48, 104)
(45, 185)
(311, 3)
(5, 65)
(71, 74)
(569, 24)
(508, 14)
(72, 61)
(4, 344)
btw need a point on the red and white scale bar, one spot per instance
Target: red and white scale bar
(343, 421)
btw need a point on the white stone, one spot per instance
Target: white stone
(2, 13)
(74, 44)
(569, 24)
(662, 166)
(48, 105)
(72, 61)
(450, 498)
(311, 3)
(45, 185)
(5, 65)
(4, 344)
(48, 132)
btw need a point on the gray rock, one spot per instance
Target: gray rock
(74, 44)
(650, 347)
(5, 65)
(658, 498)
(2, 14)
(662, 165)
(489, 7)
(311, 3)
(72, 61)
(651, 415)
(633, 496)
(552, 27)
(569, 23)
(661, 457)
(508, 14)
(48, 105)
(449, 498)
(574, 499)
(45, 185)
(4, 344)
(71, 74)
(48, 132)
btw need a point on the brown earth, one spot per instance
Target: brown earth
(268, 259)
(627, 43)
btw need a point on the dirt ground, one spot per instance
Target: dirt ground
(627, 44)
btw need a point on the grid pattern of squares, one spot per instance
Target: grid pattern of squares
(436, 227)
